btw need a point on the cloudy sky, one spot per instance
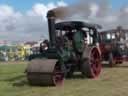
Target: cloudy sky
(26, 19)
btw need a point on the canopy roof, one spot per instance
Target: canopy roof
(75, 25)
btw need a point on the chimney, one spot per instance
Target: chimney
(51, 26)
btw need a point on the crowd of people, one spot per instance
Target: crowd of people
(13, 53)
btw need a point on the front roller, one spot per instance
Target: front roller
(44, 72)
(91, 62)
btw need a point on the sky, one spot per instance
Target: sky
(116, 4)
(25, 20)
(23, 5)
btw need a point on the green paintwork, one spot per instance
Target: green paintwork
(78, 41)
(66, 54)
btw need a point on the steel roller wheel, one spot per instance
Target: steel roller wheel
(91, 66)
(44, 72)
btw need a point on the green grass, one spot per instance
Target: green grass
(112, 82)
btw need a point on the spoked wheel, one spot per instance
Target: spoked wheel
(58, 76)
(92, 65)
(111, 61)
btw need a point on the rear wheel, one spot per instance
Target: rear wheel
(111, 61)
(91, 66)
(120, 62)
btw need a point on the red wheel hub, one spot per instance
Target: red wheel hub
(58, 77)
(95, 62)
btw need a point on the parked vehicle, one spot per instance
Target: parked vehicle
(114, 45)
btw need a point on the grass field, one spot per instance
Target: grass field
(112, 82)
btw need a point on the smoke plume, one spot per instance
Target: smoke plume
(94, 11)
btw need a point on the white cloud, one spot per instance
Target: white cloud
(29, 26)
(61, 3)
(6, 10)
(94, 9)
(40, 9)
(126, 9)
(111, 18)
(32, 25)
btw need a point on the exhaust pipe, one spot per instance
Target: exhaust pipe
(51, 27)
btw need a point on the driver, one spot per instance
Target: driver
(120, 37)
(69, 34)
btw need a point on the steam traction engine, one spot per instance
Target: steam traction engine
(114, 45)
(73, 47)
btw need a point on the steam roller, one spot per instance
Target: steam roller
(72, 47)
